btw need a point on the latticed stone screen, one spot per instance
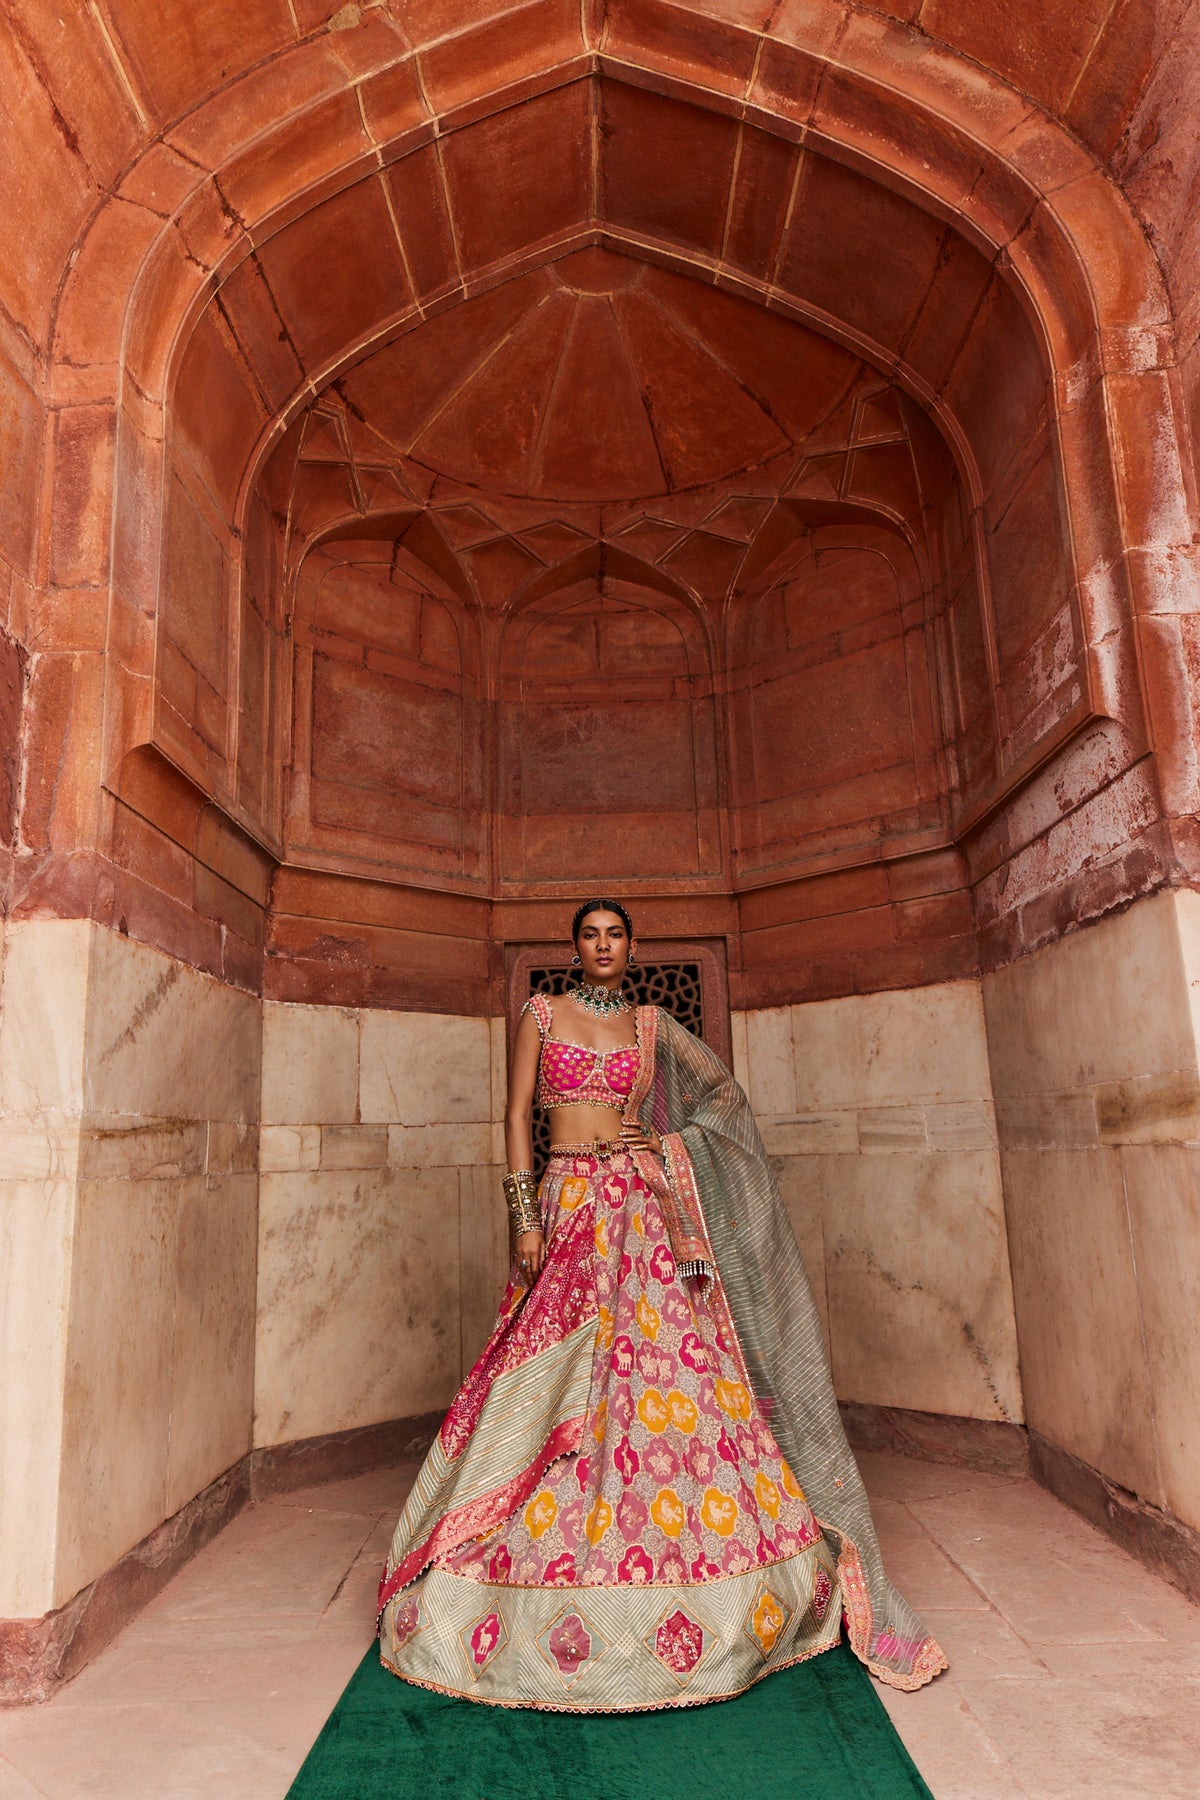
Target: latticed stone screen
(675, 986)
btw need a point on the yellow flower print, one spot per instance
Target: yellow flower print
(790, 1484)
(601, 1237)
(653, 1411)
(718, 1511)
(767, 1495)
(598, 1520)
(605, 1328)
(734, 1399)
(600, 1422)
(667, 1511)
(638, 1226)
(540, 1514)
(648, 1319)
(682, 1409)
(572, 1193)
(767, 1621)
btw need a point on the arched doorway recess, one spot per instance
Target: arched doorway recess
(912, 646)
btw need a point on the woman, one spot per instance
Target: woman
(642, 1495)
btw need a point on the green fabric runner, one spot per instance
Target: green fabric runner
(813, 1732)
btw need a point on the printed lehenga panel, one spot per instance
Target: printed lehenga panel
(605, 1521)
(608, 1519)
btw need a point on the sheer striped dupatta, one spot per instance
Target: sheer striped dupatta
(716, 1161)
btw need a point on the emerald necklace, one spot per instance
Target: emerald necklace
(601, 1001)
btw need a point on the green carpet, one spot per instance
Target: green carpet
(813, 1732)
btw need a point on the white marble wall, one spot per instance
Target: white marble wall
(164, 1304)
(159, 1297)
(1097, 1081)
(382, 1241)
(129, 1089)
(43, 1003)
(877, 1113)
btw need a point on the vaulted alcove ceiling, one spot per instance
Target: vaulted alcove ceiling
(262, 241)
(519, 535)
(602, 378)
(602, 398)
(609, 308)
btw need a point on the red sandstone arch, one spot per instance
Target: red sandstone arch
(601, 562)
(189, 214)
(1018, 161)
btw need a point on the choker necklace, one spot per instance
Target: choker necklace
(601, 1001)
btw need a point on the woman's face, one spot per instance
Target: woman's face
(603, 946)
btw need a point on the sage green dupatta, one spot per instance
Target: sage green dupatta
(728, 1208)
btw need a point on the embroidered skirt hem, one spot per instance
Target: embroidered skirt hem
(609, 1649)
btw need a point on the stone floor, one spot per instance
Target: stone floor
(1074, 1672)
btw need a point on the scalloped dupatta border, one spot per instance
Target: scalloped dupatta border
(683, 1213)
(925, 1658)
(673, 1183)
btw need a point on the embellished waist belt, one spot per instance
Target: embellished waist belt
(600, 1148)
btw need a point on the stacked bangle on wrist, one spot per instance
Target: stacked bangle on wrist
(520, 1194)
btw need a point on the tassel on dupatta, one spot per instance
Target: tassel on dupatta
(684, 1213)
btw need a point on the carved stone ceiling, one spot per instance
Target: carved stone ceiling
(601, 378)
(601, 398)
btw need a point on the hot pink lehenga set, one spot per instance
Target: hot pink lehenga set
(642, 1495)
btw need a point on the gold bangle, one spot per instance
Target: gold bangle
(521, 1198)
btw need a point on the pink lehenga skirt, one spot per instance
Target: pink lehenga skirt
(605, 1522)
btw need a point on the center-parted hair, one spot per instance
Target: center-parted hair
(599, 905)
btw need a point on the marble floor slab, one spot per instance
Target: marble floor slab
(1074, 1672)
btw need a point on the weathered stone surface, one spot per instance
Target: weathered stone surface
(454, 453)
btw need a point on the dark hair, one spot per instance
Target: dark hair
(599, 905)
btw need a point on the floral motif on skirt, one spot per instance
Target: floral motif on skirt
(649, 1472)
(679, 1479)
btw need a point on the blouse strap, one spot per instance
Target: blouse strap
(539, 1006)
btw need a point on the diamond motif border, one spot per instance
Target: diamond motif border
(707, 1639)
(483, 1640)
(766, 1620)
(556, 1641)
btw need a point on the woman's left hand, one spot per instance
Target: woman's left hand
(636, 1137)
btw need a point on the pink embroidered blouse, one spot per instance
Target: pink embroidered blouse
(576, 1075)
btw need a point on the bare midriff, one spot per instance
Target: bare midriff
(584, 1124)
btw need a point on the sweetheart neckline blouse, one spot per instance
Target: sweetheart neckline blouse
(573, 1074)
(592, 1049)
